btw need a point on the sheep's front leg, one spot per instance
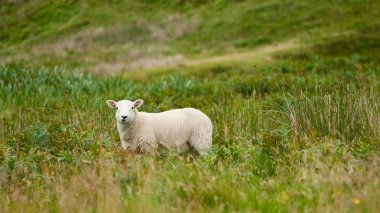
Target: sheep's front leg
(125, 145)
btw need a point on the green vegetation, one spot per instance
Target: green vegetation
(292, 88)
(131, 35)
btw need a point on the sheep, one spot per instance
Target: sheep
(180, 129)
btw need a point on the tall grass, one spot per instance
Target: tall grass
(306, 149)
(348, 114)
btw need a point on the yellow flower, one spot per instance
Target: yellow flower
(284, 196)
(355, 201)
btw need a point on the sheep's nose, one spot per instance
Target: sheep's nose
(124, 117)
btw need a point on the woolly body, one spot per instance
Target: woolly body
(179, 129)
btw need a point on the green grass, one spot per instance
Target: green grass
(129, 35)
(292, 89)
(286, 138)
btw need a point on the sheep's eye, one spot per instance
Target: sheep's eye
(132, 107)
(117, 107)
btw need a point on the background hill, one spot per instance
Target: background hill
(292, 88)
(117, 36)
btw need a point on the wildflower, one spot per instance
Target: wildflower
(355, 201)
(284, 196)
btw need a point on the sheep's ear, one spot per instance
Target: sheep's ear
(138, 103)
(111, 104)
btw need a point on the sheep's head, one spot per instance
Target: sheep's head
(126, 111)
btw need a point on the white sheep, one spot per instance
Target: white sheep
(180, 129)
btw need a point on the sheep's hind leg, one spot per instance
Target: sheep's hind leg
(201, 141)
(125, 145)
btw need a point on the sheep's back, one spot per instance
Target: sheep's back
(175, 126)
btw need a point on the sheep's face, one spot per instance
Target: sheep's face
(126, 111)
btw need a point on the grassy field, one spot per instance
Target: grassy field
(292, 89)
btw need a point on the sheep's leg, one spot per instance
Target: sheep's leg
(201, 141)
(125, 145)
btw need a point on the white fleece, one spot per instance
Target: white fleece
(179, 129)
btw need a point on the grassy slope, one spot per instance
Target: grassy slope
(298, 134)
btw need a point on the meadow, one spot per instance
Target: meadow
(292, 89)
